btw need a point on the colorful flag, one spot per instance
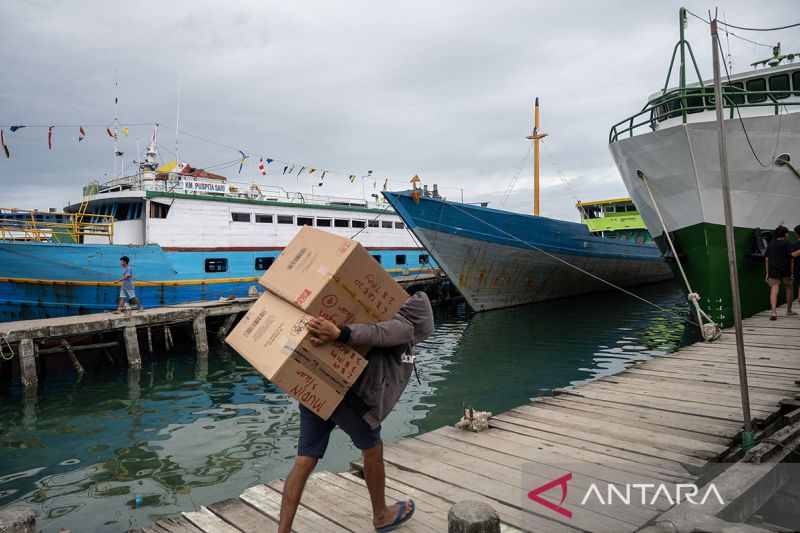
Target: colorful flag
(108, 130)
(81, 134)
(50, 138)
(241, 163)
(125, 131)
(3, 142)
(15, 128)
(269, 160)
(284, 169)
(261, 167)
(352, 178)
(311, 170)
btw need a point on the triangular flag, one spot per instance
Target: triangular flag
(385, 183)
(298, 172)
(311, 170)
(352, 178)
(108, 130)
(323, 174)
(284, 169)
(50, 138)
(125, 131)
(3, 142)
(15, 128)
(269, 160)
(241, 163)
(81, 134)
(261, 167)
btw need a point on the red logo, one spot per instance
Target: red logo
(303, 296)
(562, 482)
(330, 300)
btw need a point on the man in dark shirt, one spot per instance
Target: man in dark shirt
(796, 255)
(780, 270)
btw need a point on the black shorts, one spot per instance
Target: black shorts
(316, 432)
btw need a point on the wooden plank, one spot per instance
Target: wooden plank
(654, 439)
(418, 484)
(730, 388)
(330, 506)
(586, 450)
(711, 378)
(243, 517)
(634, 421)
(667, 406)
(491, 445)
(425, 514)
(268, 501)
(209, 522)
(172, 525)
(506, 490)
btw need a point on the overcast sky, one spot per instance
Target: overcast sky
(441, 89)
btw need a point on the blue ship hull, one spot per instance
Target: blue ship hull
(42, 280)
(500, 259)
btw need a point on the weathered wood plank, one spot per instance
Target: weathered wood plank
(242, 516)
(209, 522)
(268, 501)
(330, 506)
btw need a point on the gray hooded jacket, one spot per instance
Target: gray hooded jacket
(390, 356)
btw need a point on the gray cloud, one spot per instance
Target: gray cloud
(441, 89)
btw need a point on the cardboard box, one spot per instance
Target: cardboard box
(273, 337)
(334, 277)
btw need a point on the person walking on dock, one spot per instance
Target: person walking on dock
(796, 256)
(364, 407)
(780, 271)
(126, 289)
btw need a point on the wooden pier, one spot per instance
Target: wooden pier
(668, 419)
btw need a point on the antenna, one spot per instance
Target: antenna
(116, 118)
(178, 119)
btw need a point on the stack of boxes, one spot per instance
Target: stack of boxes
(318, 274)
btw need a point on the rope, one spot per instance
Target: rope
(698, 17)
(760, 29)
(564, 179)
(513, 183)
(3, 355)
(709, 329)
(579, 269)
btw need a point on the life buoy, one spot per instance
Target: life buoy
(640, 238)
(622, 236)
(254, 192)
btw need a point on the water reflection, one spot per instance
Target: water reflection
(186, 431)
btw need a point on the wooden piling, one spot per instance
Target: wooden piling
(132, 347)
(225, 328)
(200, 334)
(27, 364)
(471, 516)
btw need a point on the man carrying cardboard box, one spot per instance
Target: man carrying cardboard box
(368, 402)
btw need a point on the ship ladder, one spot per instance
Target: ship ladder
(710, 330)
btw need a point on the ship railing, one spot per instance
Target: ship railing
(682, 103)
(53, 226)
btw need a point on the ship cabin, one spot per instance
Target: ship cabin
(614, 219)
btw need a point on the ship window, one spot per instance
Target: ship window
(121, 211)
(796, 82)
(263, 263)
(377, 258)
(758, 84)
(423, 259)
(373, 224)
(358, 223)
(324, 222)
(620, 209)
(630, 208)
(219, 264)
(386, 223)
(399, 225)
(400, 259)
(779, 83)
(158, 210)
(285, 219)
(733, 94)
(263, 219)
(341, 223)
(240, 217)
(694, 99)
(305, 221)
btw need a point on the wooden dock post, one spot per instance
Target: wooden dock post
(27, 364)
(200, 334)
(132, 347)
(17, 519)
(471, 516)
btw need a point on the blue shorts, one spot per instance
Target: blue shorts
(316, 432)
(127, 293)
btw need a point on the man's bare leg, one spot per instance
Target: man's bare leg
(293, 489)
(789, 297)
(773, 298)
(375, 477)
(120, 304)
(138, 303)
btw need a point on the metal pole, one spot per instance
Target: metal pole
(536, 158)
(747, 435)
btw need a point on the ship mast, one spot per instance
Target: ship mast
(536, 136)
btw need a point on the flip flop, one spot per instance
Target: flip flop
(399, 519)
(773, 317)
(791, 313)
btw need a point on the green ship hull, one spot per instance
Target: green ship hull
(704, 258)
